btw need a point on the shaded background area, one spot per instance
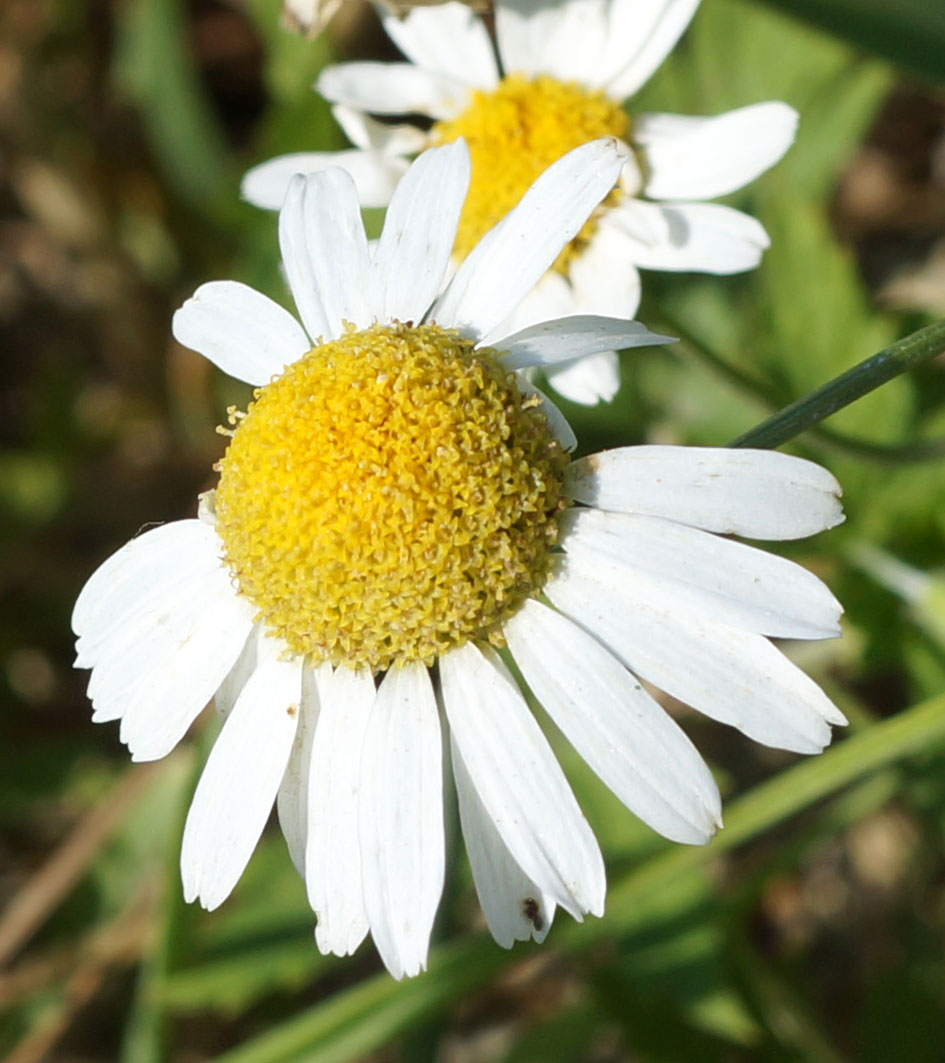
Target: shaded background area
(813, 929)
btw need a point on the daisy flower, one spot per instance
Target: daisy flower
(562, 70)
(398, 522)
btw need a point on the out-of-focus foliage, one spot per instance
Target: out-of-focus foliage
(910, 32)
(812, 929)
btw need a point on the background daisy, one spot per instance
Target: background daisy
(559, 78)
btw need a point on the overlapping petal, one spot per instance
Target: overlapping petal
(401, 818)
(239, 783)
(510, 259)
(519, 782)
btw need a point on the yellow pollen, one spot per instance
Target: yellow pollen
(515, 132)
(391, 496)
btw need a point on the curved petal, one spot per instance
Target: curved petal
(519, 782)
(401, 818)
(557, 422)
(510, 259)
(239, 783)
(236, 678)
(651, 28)
(445, 39)
(758, 494)
(729, 581)
(384, 137)
(550, 298)
(601, 282)
(375, 175)
(413, 252)
(161, 627)
(622, 733)
(240, 330)
(333, 851)
(603, 277)
(700, 158)
(573, 337)
(732, 676)
(147, 562)
(184, 671)
(325, 253)
(565, 40)
(589, 380)
(701, 237)
(514, 907)
(394, 88)
(292, 801)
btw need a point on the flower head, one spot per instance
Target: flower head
(568, 66)
(398, 505)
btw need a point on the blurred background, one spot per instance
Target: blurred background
(813, 928)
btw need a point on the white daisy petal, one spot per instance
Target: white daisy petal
(699, 237)
(557, 422)
(401, 818)
(185, 665)
(136, 604)
(237, 677)
(333, 851)
(588, 381)
(445, 39)
(736, 584)
(413, 252)
(563, 39)
(514, 907)
(701, 158)
(567, 338)
(394, 88)
(329, 255)
(240, 330)
(176, 650)
(293, 798)
(758, 494)
(294, 245)
(148, 561)
(649, 29)
(159, 621)
(383, 137)
(603, 281)
(239, 782)
(603, 277)
(519, 782)
(375, 175)
(622, 733)
(732, 676)
(550, 298)
(511, 257)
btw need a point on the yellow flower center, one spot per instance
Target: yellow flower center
(391, 496)
(514, 133)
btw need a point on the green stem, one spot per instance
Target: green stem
(900, 357)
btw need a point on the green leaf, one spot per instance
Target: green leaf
(154, 66)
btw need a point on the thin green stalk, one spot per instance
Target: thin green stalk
(900, 357)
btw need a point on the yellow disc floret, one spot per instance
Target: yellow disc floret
(514, 133)
(391, 496)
